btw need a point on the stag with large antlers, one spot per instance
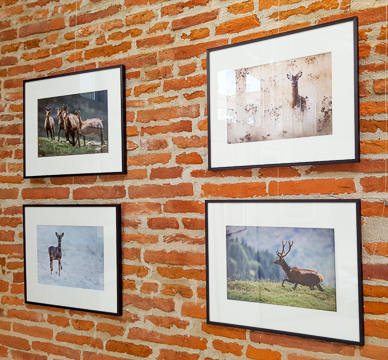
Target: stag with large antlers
(297, 276)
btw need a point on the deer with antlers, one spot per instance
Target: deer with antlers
(55, 253)
(297, 276)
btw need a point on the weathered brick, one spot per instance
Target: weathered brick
(167, 321)
(177, 272)
(147, 303)
(160, 191)
(162, 223)
(42, 27)
(139, 18)
(261, 354)
(180, 340)
(173, 290)
(238, 25)
(234, 190)
(174, 127)
(128, 348)
(176, 355)
(194, 20)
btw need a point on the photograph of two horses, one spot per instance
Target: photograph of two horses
(286, 266)
(73, 124)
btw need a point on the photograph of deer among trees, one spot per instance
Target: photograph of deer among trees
(282, 100)
(73, 124)
(286, 266)
(71, 256)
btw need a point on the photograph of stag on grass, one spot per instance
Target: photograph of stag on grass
(282, 100)
(73, 124)
(281, 266)
(71, 256)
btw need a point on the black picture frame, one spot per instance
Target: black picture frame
(87, 275)
(266, 109)
(62, 111)
(244, 287)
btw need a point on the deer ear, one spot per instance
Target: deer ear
(56, 233)
(289, 77)
(62, 234)
(299, 75)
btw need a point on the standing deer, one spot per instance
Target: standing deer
(91, 127)
(296, 100)
(73, 125)
(297, 276)
(61, 124)
(49, 123)
(55, 253)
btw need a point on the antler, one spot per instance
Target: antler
(282, 254)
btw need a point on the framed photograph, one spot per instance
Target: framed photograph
(286, 99)
(72, 257)
(74, 124)
(289, 267)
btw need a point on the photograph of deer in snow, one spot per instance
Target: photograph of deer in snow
(282, 100)
(258, 270)
(77, 116)
(79, 251)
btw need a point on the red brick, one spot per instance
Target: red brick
(187, 69)
(113, 330)
(128, 348)
(380, 86)
(15, 342)
(58, 320)
(224, 173)
(42, 27)
(179, 272)
(238, 25)
(25, 315)
(81, 19)
(304, 344)
(372, 108)
(241, 8)
(174, 258)
(179, 84)
(193, 224)
(160, 191)
(146, 89)
(146, 303)
(155, 41)
(189, 51)
(239, 190)
(376, 184)
(311, 9)
(166, 173)
(8, 35)
(46, 193)
(195, 95)
(194, 20)
(190, 142)
(143, 160)
(376, 308)
(148, 288)
(376, 328)
(82, 325)
(35, 331)
(173, 290)
(79, 340)
(375, 291)
(305, 187)
(131, 254)
(191, 111)
(262, 354)
(184, 239)
(107, 50)
(20, 355)
(373, 146)
(194, 310)
(140, 271)
(15, 250)
(189, 158)
(228, 332)
(175, 127)
(140, 18)
(373, 126)
(140, 238)
(163, 72)
(141, 208)
(180, 206)
(167, 321)
(9, 193)
(192, 342)
(375, 271)
(176, 355)
(374, 352)
(162, 223)
(48, 65)
(100, 192)
(15, 10)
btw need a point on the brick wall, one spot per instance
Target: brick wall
(163, 47)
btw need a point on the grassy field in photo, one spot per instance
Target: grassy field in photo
(48, 147)
(273, 293)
